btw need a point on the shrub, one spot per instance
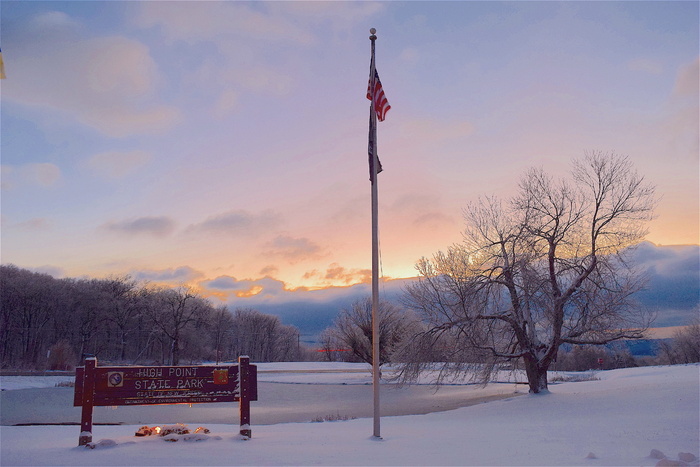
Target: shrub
(61, 356)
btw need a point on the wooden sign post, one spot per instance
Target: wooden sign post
(145, 385)
(87, 384)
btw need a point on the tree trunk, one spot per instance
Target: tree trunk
(175, 349)
(536, 376)
(174, 354)
(122, 344)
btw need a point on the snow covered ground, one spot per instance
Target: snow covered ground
(615, 420)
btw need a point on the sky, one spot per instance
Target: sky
(224, 144)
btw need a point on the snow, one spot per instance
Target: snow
(625, 417)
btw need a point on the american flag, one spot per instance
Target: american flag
(381, 104)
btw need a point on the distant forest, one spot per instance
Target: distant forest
(49, 323)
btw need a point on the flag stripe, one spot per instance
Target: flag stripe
(376, 94)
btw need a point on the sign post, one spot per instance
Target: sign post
(244, 404)
(142, 385)
(88, 385)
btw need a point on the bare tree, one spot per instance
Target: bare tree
(329, 347)
(258, 335)
(352, 330)
(220, 323)
(686, 343)
(173, 311)
(86, 305)
(287, 344)
(547, 267)
(26, 309)
(122, 299)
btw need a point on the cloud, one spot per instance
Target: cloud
(44, 175)
(189, 22)
(266, 288)
(310, 310)
(226, 103)
(430, 130)
(337, 275)
(687, 80)
(414, 202)
(118, 164)
(269, 292)
(681, 125)
(35, 224)
(224, 283)
(434, 220)
(238, 222)
(423, 210)
(260, 78)
(311, 274)
(673, 273)
(410, 56)
(343, 17)
(269, 270)
(255, 44)
(231, 79)
(645, 65)
(317, 12)
(180, 275)
(292, 249)
(106, 83)
(672, 262)
(156, 226)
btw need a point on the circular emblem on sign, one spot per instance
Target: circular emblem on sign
(115, 379)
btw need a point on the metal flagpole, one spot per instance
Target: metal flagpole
(375, 255)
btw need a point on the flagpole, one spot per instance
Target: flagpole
(375, 258)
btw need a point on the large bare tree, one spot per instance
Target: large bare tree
(542, 269)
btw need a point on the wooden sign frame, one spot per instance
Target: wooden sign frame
(147, 385)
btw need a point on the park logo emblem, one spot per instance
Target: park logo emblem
(115, 379)
(221, 376)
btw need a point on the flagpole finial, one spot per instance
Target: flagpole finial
(373, 32)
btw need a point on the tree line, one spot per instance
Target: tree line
(51, 323)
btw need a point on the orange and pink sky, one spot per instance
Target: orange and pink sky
(225, 142)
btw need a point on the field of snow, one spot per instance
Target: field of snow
(625, 417)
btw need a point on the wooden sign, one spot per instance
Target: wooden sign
(142, 385)
(163, 385)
